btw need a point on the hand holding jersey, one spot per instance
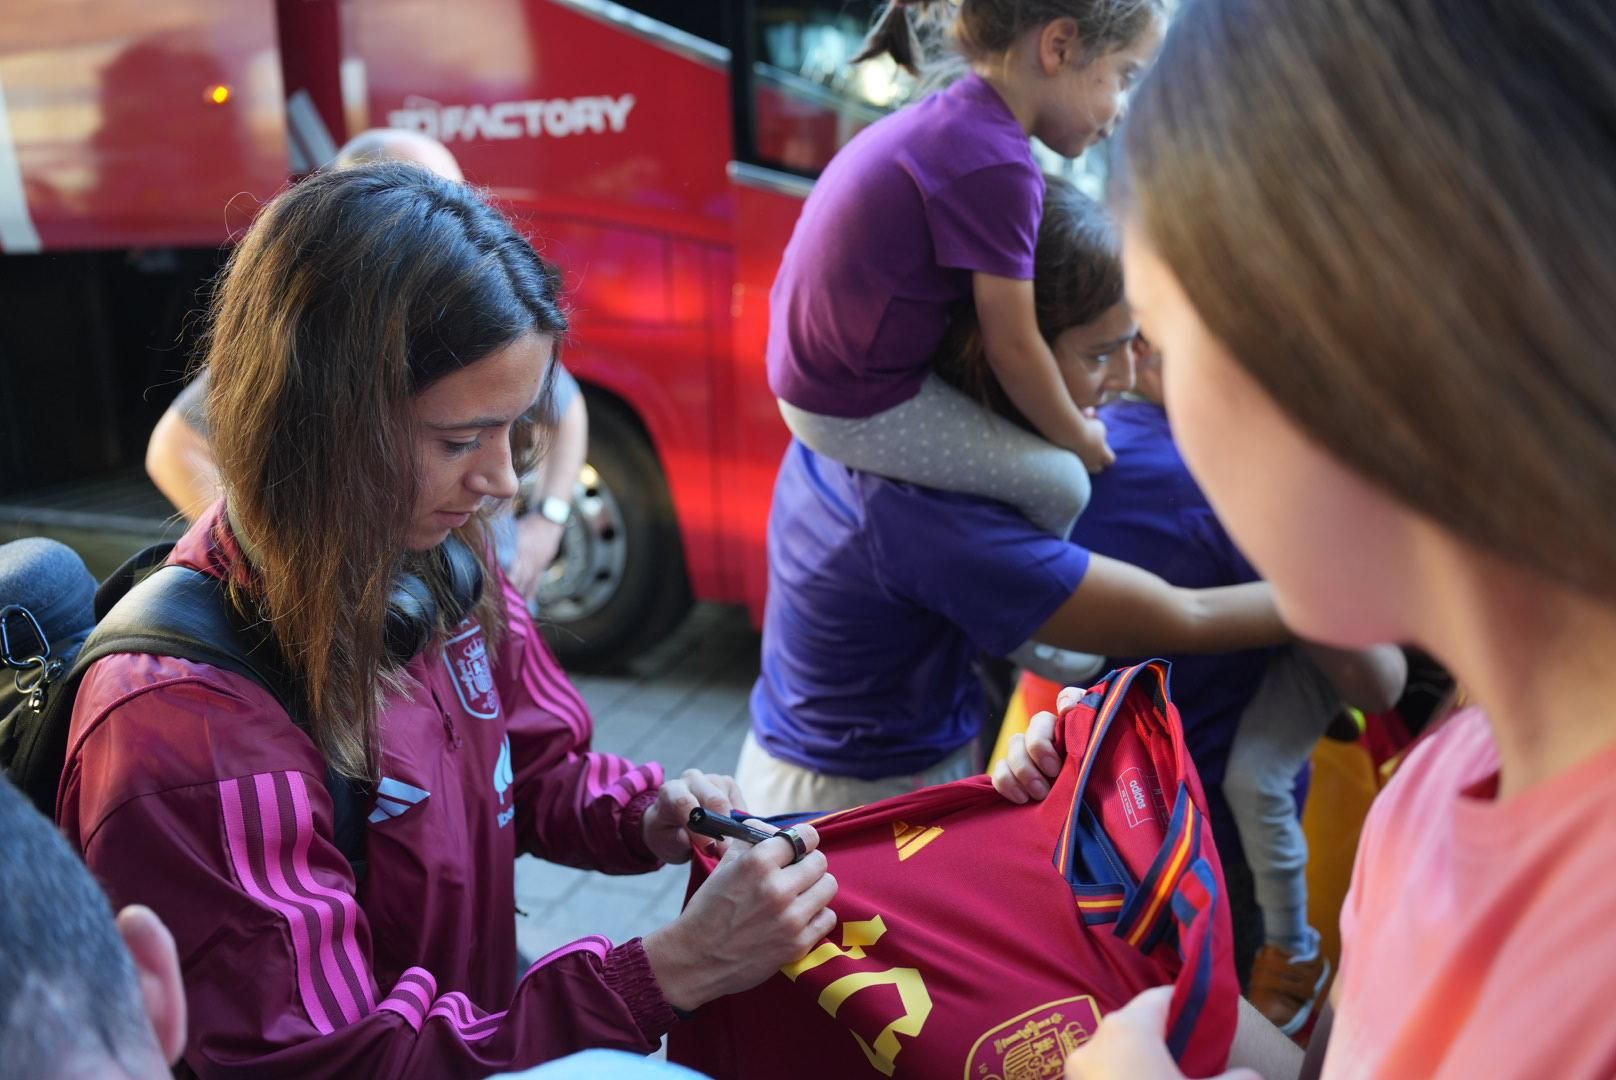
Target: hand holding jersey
(1132, 1041)
(1032, 763)
(979, 935)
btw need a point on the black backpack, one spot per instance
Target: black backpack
(163, 610)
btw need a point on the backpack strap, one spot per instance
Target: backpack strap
(177, 611)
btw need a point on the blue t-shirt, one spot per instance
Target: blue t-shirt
(880, 595)
(1148, 510)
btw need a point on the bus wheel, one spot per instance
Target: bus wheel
(618, 585)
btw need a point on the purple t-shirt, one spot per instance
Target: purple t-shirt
(1147, 510)
(880, 595)
(887, 243)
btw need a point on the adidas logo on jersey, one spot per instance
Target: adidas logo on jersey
(1141, 797)
(911, 838)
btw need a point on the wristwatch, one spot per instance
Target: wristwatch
(555, 508)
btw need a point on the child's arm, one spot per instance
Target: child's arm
(1026, 368)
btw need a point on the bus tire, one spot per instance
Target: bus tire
(619, 584)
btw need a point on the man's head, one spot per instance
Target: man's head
(395, 144)
(81, 994)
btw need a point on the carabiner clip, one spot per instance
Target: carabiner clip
(9, 654)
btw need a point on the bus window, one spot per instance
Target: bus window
(805, 98)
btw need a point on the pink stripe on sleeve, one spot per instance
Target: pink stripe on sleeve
(548, 687)
(594, 777)
(459, 1013)
(409, 1010)
(359, 971)
(230, 797)
(593, 943)
(618, 780)
(277, 859)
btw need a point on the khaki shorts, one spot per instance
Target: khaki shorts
(770, 786)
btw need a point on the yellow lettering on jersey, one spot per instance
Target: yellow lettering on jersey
(911, 838)
(855, 936)
(913, 995)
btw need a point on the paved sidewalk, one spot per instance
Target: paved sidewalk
(683, 704)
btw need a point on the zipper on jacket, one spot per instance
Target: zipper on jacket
(450, 733)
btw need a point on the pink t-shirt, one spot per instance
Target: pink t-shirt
(1479, 938)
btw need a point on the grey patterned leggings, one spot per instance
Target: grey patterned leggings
(942, 439)
(1276, 734)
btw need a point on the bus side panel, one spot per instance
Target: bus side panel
(557, 110)
(646, 341)
(141, 126)
(603, 144)
(763, 223)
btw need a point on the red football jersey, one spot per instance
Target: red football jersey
(983, 940)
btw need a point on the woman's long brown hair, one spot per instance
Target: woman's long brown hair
(1400, 218)
(352, 292)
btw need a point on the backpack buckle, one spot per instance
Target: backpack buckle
(24, 647)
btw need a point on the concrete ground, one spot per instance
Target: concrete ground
(683, 704)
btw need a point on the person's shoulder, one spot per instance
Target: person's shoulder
(974, 101)
(966, 131)
(1136, 412)
(1456, 755)
(920, 527)
(945, 512)
(145, 724)
(1141, 427)
(1440, 765)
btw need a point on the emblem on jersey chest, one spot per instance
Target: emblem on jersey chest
(466, 654)
(1034, 1045)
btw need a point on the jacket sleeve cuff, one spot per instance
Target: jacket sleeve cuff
(628, 974)
(632, 824)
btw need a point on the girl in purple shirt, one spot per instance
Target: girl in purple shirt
(936, 206)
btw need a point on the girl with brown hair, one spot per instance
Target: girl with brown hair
(1376, 240)
(380, 339)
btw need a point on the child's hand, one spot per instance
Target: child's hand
(1132, 1043)
(1031, 764)
(1094, 451)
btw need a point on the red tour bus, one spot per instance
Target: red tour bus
(660, 153)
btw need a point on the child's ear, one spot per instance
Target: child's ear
(1059, 44)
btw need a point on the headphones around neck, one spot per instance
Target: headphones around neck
(413, 611)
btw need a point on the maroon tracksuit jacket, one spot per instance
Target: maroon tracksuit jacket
(190, 791)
